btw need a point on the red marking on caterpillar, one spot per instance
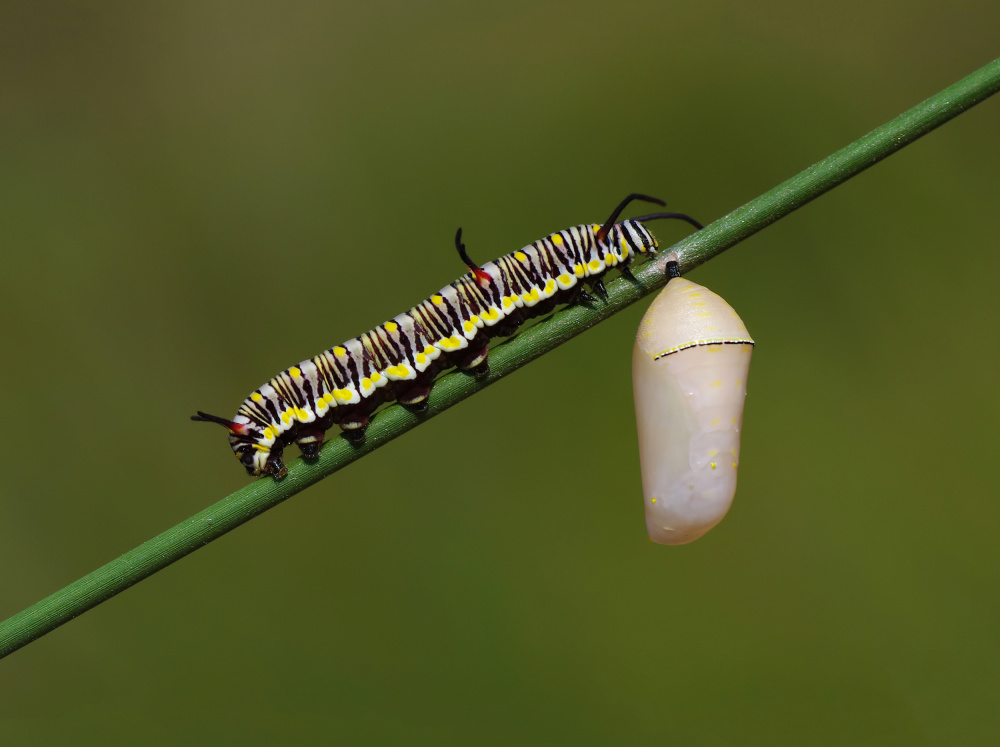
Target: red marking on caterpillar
(483, 278)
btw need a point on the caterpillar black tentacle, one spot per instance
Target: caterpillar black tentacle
(399, 359)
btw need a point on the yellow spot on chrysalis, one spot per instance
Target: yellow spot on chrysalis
(344, 395)
(474, 319)
(437, 299)
(508, 302)
(256, 397)
(421, 359)
(550, 286)
(715, 421)
(734, 465)
(339, 351)
(712, 465)
(594, 265)
(376, 376)
(519, 255)
(564, 279)
(739, 383)
(391, 326)
(366, 383)
(328, 397)
(579, 270)
(429, 350)
(557, 239)
(653, 501)
(531, 295)
(717, 382)
(713, 452)
(608, 258)
(468, 326)
(286, 417)
(693, 295)
(301, 414)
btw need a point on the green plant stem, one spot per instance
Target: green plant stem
(262, 494)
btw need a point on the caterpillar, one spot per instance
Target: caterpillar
(689, 380)
(399, 359)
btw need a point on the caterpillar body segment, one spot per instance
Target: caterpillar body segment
(399, 359)
(689, 378)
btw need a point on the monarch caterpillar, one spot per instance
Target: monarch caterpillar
(399, 359)
(689, 381)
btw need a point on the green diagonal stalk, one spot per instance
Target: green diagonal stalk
(505, 358)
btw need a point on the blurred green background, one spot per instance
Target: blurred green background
(199, 194)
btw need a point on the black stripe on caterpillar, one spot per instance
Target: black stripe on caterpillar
(399, 359)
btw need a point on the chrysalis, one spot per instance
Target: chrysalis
(689, 379)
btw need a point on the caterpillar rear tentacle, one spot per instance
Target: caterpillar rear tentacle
(399, 359)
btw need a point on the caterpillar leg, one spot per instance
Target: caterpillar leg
(414, 398)
(354, 422)
(275, 467)
(355, 435)
(309, 443)
(477, 362)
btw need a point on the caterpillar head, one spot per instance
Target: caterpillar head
(632, 234)
(249, 442)
(633, 237)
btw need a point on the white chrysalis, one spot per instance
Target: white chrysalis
(689, 379)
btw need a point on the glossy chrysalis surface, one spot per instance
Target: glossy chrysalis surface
(689, 380)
